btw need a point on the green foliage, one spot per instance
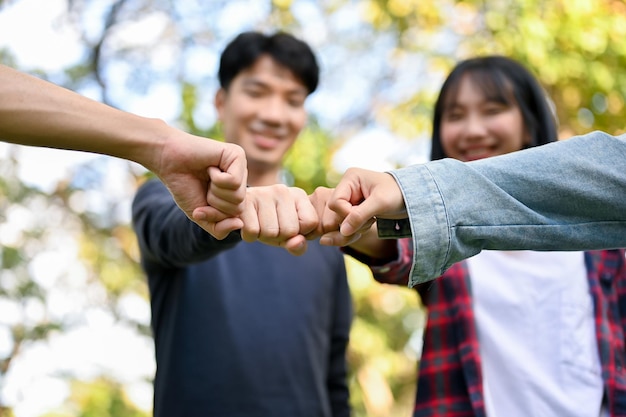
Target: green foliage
(103, 398)
(11, 257)
(308, 161)
(32, 225)
(17, 288)
(382, 374)
(402, 15)
(189, 98)
(575, 47)
(100, 398)
(6, 57)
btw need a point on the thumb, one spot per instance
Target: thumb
(359, 218)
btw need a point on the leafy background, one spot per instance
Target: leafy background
(69, 277)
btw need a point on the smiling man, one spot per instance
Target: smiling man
(246, 329)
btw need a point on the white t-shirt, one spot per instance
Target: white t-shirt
(536, 328)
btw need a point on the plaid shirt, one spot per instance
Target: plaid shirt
(450, 380)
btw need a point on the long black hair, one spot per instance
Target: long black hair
(503, 80)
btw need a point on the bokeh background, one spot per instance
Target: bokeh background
(74, 313)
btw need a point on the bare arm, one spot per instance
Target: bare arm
(567, 195)
(196, 170)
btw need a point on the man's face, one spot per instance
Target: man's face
(263, 111)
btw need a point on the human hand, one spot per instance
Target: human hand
(361, 196)
(278, 215)
(207, 179)
(365, 241)
(329, 221)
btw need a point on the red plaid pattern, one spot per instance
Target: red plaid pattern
(449, 380)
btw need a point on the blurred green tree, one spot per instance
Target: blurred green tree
(383, 62)
(99, 398)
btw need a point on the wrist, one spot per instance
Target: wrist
(149, 140)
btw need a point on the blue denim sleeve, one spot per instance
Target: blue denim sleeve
(569, 195)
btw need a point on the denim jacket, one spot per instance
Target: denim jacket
(569, 195)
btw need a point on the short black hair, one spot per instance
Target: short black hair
(503, 80)
(243, 51)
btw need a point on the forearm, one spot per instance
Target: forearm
(38, 113)
(564, 196)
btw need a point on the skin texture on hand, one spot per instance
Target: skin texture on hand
(328, 227)
(365, 242)
(276, 215)
(201, 172)
(361, 196)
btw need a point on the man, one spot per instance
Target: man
(243, 328)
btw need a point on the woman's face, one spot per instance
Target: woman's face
(474, 127)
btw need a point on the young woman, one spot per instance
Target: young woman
(511, 333)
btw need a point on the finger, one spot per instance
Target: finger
(319, 205)
(337, 239)
(328, 219)
(360, 218)
(287, 212)
(226, 189)
(269, 222)
(343, 198)
(220, 229)
(224, 180)
(225, 227)
(224, 194)
(252, 223)
(329, 223)
(308, 219)
(319, 198)
(233, 167)
(215, 222)
(207, 214)
(341, 208)
(296, 245)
